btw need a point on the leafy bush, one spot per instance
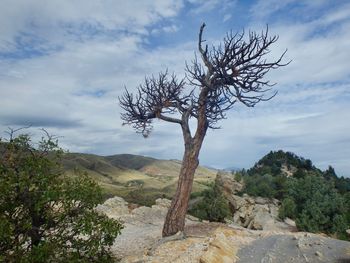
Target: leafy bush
(213, 206)
(287, 209)
(319, 205)
(45, 216)
(238, 176)
(257, 185)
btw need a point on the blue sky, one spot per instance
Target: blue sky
(64, 63)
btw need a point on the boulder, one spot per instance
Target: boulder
(114, 207)
(261, 218)
(227, 183)
(221, 249)
(253, 213)
(162, 202)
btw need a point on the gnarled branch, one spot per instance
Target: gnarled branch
(235, 72)
(232, 72)
(155, 98)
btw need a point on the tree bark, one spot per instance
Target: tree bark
(175, 219)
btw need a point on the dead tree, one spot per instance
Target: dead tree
(231, 72)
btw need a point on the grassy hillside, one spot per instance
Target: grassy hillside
(137, 178)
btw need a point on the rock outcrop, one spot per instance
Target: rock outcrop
(227, 183)
(220, 248)
(254, 213)
(251, 212)
(142, 225)
(141, 240)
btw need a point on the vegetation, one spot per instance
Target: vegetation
(212, 205)
(44, 215)
(135, 178)
(318, 201)
(287, 209)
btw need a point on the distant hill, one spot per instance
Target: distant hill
(137, 178)
(280, 162)
(318, 201)
(232, 169)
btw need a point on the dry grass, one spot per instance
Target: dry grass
(139, 179)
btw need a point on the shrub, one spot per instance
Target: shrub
(238, 176)
(44, 215)
(287, 209)
(257, 185)
(213, 206)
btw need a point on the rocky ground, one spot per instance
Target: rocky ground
(206, 242)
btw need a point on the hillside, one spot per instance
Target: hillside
(319, 201)
(137, 178)
(280, 163)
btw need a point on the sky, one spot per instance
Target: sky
(64, 63)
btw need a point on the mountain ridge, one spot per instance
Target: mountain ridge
(138, 179)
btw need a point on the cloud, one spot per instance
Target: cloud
(165, 29)
(227, 17)
(316, 47)
(39, 121)
(264, 8)
(65, 63)
(203, 6)
(61, 21)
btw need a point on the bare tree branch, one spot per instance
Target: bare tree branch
(235, 72)
(229, 73)
(155, 98)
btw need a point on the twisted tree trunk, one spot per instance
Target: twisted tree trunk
(175, 219)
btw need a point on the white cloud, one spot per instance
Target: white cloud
(54, 20)
(73, 91)
(318, 51)
(227, 17)
(203, 6)
(264, 8)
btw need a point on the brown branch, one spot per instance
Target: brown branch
(203, 52)
(231, 72)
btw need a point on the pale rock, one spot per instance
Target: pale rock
(318, 253)
(114, 207)
(227, 182)
(163, 202)
(273, 209)
(221, 249)
(289, 222)
(256, 213)
(261, 201)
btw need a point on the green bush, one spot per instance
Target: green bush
(257, 185)
(320, 208)
(287, 209)
(45, 216)
(238, 176)
(213, 206)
